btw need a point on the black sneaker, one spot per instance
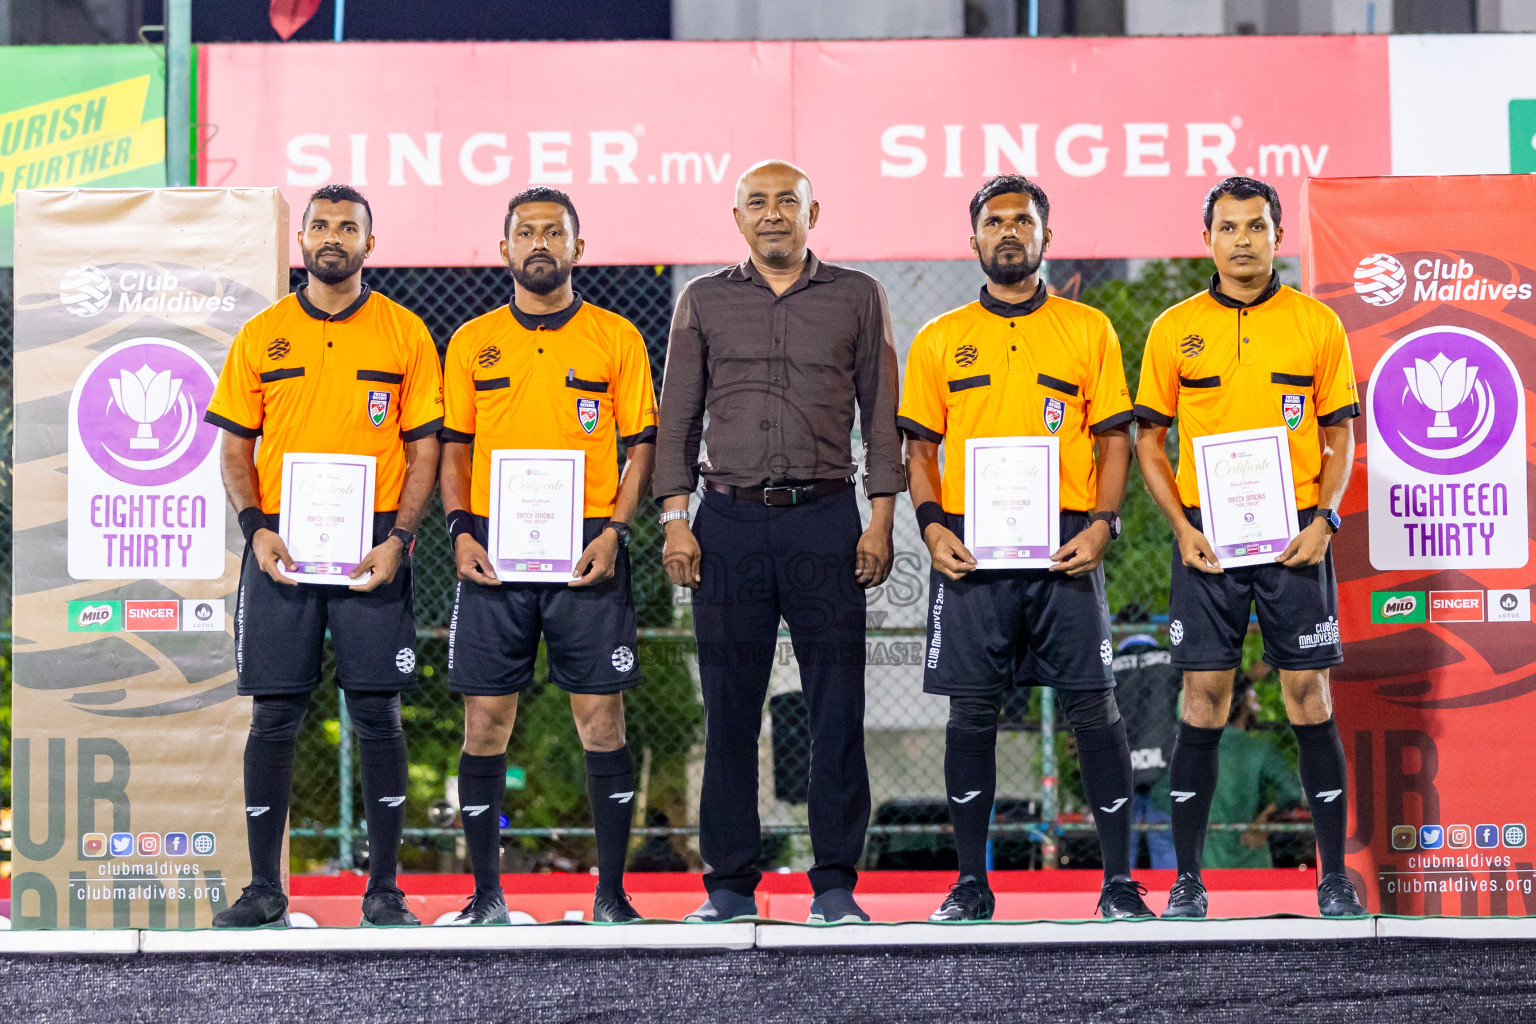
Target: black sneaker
(1187, 897)
(259, 906)
(385, 905)
(613, 907)
(969, 899)
(1336, 897)
(1121, 897)
(482, 908)
(723, 905)
(836, 906)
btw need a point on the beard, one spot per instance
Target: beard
(332, 273)
(1008, 274)
(543, 282)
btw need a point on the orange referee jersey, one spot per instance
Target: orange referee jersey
(1218, 365)
(1040, 368)
(579, 378)
(361, 382)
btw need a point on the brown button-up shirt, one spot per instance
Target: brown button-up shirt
(779, 375)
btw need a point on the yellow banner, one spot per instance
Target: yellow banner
(78, 139)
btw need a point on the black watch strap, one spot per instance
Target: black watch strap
(1112, 518)
(622, 529)
(405, 537)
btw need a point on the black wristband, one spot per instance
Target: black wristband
(929, 512)
(460, 521)
(252, 519)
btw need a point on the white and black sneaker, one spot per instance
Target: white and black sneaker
(969, 899)
(1336, 897)
(482, 908)
(1187, 897)
(1121, 898)
(612, 906)
(723, 905)
(836, 906)
(259, 906)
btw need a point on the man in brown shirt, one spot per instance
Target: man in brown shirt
(777, 350)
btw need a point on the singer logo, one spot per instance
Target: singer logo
(1456, 606)
(147, 616)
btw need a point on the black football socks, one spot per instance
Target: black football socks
(1105, 756)
(970, 776)
(1192, 785)
(611, 789)
(482, 788)
(1323, 777)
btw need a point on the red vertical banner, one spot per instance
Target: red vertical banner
(1433, 279)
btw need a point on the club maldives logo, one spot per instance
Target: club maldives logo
(85, 290)
(1445, 400)
(140, 411)
(1380, 279)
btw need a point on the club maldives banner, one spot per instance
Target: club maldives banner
(78, 115)
(1434, 556)
(126, 729)
(1126, 135)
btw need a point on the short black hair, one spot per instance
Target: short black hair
(1010, 184)
(338, 194)
(1239, 187)
(542, 194)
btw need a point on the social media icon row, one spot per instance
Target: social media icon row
(1457, 837)
(148, 844)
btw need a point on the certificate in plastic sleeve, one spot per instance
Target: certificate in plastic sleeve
(538, 496)
(327, 516)
(1247, 495)
(1012, 501)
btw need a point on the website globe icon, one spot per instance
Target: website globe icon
(85, 290)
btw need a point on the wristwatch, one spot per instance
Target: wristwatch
(667, 517)
(1112, 518)
(1330, 517)
(622, 529)
(406, 538)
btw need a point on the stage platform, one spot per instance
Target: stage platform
(1273, 969)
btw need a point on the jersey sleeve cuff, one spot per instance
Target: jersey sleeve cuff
(425, 430)
(912, 428)
(455, 437)
(1339, 415)
(1109, 423)
(238, 429)
(1151, 415)
(646, 436)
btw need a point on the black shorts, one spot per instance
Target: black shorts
(997, 626)
(1298, 612)
(280, 630)
(589, 632)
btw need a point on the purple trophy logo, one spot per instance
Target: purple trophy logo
(140, 412)
(1445, 400)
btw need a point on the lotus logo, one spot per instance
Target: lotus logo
(1380, 279)
(85, 290)
(1395, 606)
(1440, 385)
(145, 396)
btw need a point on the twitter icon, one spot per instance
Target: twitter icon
(122, 844)
(1431, 837)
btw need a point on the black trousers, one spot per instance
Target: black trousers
(760, 564)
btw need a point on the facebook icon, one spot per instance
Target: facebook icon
(1486, 836)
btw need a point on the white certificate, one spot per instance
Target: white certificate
(1247, 496)
(1012, 501)
(327, 517)
(538, 496)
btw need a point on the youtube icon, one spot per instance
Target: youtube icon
(149, 616)
(1452, 606)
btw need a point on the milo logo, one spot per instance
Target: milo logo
(1398, 606)
(95, 616)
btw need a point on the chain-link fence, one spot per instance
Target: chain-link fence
(1040, 818)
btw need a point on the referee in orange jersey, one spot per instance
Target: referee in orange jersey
(1021, 362)
(334, 368)
(1248, 353)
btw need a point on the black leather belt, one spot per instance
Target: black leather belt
(797, 494)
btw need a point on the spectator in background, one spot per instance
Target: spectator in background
(1255, 783)
(1149, 688)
